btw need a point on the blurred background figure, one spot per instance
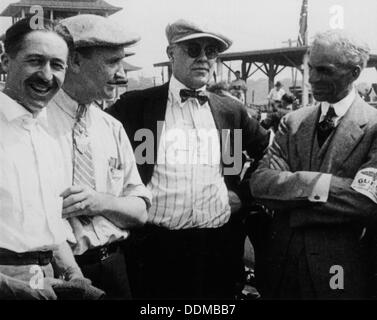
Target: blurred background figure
(238, 88)
(275, 95)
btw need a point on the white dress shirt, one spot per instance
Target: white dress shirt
(276, 94)
(31, 180)
(114, 166)
(187, 185)
(340, 108)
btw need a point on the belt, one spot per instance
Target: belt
(8, 257)
(98, 254)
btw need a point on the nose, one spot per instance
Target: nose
(120, 74)
(202, 56)
(313, 76)
(46, 72)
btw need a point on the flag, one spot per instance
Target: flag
(302, 37)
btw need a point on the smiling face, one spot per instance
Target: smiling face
(36, 72)
(100, 71)
(331, 79)
(195, 72)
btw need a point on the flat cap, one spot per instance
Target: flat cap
(89, 30)
(183, 30)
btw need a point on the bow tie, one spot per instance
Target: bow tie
(200, 96)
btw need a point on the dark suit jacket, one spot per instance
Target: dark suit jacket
(331, 230)
(142, 109)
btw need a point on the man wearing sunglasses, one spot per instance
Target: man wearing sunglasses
(187, 249)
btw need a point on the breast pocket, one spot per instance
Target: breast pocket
(115, 181)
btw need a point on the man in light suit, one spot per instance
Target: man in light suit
(186, 251)
(317, 178)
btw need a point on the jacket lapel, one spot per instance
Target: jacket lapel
(154, 111)
(346, 137)
(306, 136)
(223, 120)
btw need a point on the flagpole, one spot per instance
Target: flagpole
(305, 73)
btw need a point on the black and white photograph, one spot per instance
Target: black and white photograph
(190, 157)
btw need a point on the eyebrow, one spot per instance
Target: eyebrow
(43, 57)
(114, 59)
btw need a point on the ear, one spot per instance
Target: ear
(75, 61)
(169, 52)
(5, 59)
(356, 72)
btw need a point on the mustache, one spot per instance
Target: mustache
(118, 81)
(36, 79)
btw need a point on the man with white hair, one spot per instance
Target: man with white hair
(318, 176)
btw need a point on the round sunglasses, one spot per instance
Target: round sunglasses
(194, 50)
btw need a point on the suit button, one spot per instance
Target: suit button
(317, 197)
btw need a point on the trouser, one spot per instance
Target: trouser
(106, 268)
(183, 264)
(296, 282)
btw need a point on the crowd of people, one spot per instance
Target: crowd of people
(147, 199)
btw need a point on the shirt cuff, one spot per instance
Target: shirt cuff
(320, 192)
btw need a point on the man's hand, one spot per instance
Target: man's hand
(14, 289)
(279, 164)
(48, 293)
(81, 200)
(234, 201)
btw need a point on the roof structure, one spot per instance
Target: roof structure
(271, 61)
(286, 57)
(83, 6)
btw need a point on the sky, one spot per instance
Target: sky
(251, 24)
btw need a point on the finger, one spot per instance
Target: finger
(52, 281)
(72, 189)
(79, 206)
(73, 214)
(273, 164)
(73, 199)
(281, 163)
(279, 160)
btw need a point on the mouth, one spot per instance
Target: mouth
(40, 89)
(201, 69)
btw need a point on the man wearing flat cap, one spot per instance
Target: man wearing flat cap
(104, 195)
(185, 250)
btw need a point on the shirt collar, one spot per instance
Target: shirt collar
(13, 111)
(175, 86)
(341, 107)
(66, 103)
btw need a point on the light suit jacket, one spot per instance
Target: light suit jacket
(331, 230)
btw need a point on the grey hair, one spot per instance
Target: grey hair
(352, 52)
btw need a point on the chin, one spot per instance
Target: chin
(108, 95)
(199, 82)
(37, 105)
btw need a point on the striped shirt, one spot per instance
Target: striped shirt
(115, 170)
(187, 185)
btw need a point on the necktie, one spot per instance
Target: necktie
(186, 94)
(326, 126)
(83, 170)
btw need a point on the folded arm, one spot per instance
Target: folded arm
(326, 198)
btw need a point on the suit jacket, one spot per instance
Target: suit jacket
(331, 230)
(142, 109)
